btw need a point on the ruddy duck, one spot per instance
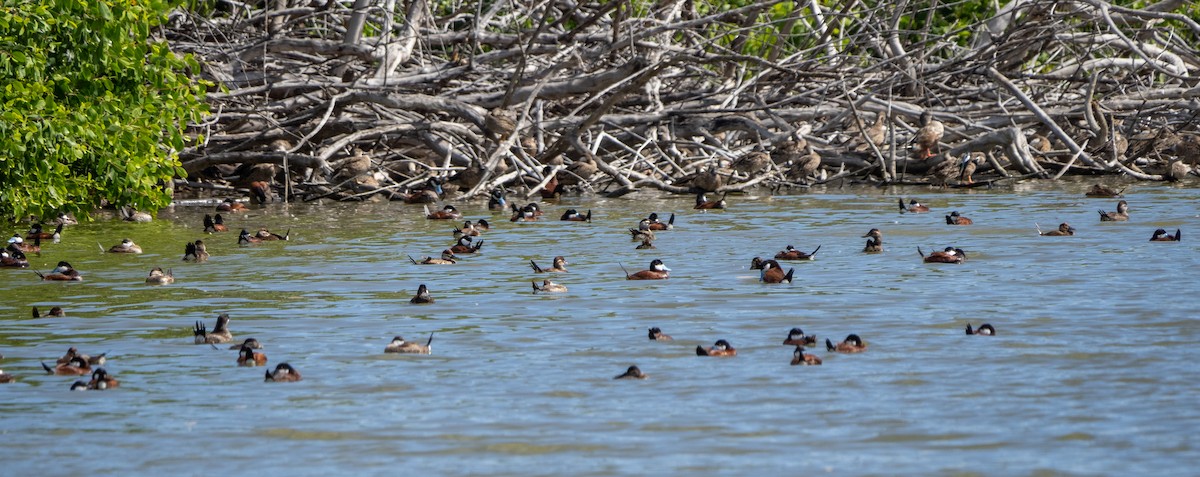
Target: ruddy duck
(657, 271)
(984, 329)
(955, 219)
(559, 266)
(797, 337)
(642, 234)
(572, 215)
(195, 252)
(1098, 190)
(496, 200)
(652, 223)
(800, 357)
(77, 366)
(1121, 215)
(422, 296)
(13, 259)
(6, 378)
(428, 193)
(874, 241)
(464, 246)
(529, 213)
(949, 255)
(632, 373)
(72, 353)
(214, 225)
(772, 272)
(245, 238)
(720, 349)
(1062, 231)
(790, 253)
(260, 192)
(251, 343)
(18, 244)
(218, 335)
(398, 345)
(55, 312)
(264, 234)
(646, 244)
(657, 335)
(913, 207)
(284, 373)
(101, 381)
(552, 189)
(549, 287)
(126, 246)
(703, 203)
(247, 357)
(448, 258)
(926, 139)
(230, 205)
(63, 272)
(852, 344)
(468, 229)
(447, 213)
(159, 277)
(36, 232)
(79, 386)
(1160, 235)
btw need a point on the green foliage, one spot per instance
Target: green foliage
(91, 109)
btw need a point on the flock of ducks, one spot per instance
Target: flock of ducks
(770, 271)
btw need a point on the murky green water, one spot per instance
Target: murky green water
(1093, 371)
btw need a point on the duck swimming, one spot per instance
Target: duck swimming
(1063, 230)
(913, 207)
(63, 272)
(448, 258)
(219, 334)
(874, 241)
(126, 246)
(159, 277)
(702, 202)
(800, 357)
(652, 223)
(949, 255)
(447, 213)
(398, 345)
(1161, 235)
(195, 252)
(214, 225)
(1121, 215)
(852, 344)
(284, 373)
(790, 253)
(797, 337)
(1099, 190)
(572, 215)
(633, 372)
(55, 312)
(657, 271)
(422, 296)
(247, 357)
(559, 266)
(548, 287)
(721, 348)
(465, 246)
(101, 381)
(955, 219)
(772, 272)
(656, 334)
(984, 330)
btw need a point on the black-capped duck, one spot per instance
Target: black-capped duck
(219, 334)
(633, 372)
(264, 234)
(913, 207)
(1063, 230)
(772, 272)
(13, 259)
(36, 232)
(797, 337)
(467, 229)
(646, 244)
(652, 223)
(465, 246)
(55, 312)
(101, 381)
(64, 272)
(955, 219)
(429, 193)
(656, 334)
(398, 345)
(126, 246)
(559, 266)
(247, 357)
(790, 253)
(852, 344)
(422, 296)
(158, 277)
(1161, 235)
(800, 357)
(251, 343)
(79, 386)
(529, 213)
(1099, 190)
(482, 225)
(448, 258)
(657, 271)
(984, 330)
(245, 238)
(548, 286)
(949, 255)
(447, 213)
(212, 225)
(195, 252)
(6, 378)
(284, 373)
(18, 244)
(1121, 215)
(72, 353)
(572, 215)
(553, 188)
(720, 349)
(77, 366)
(643, 235)
(874, 241)
(926, 139)
(496, 200)
(702, 202)
(230, 205)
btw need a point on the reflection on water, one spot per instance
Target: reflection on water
(1092, 371)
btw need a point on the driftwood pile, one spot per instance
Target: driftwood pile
(359, 99)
